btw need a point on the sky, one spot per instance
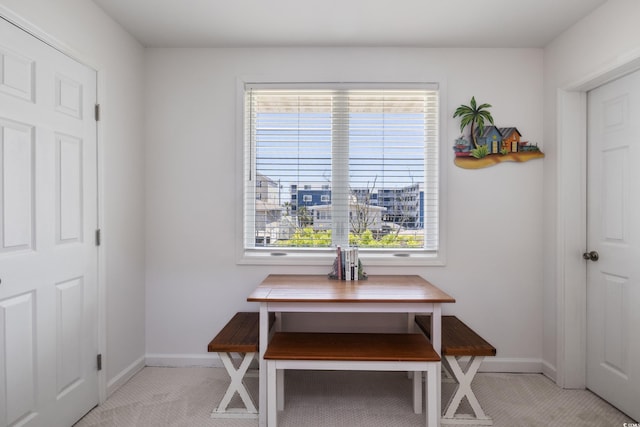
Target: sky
(385, 149)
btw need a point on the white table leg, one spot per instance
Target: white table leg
(436, 340)
(411, 324)
(264, 341)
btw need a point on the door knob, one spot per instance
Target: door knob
(593, 256)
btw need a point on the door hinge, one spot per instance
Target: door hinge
(99, 362)
(98, 237)
(97, 112)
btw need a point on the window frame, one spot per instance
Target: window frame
(325, 256)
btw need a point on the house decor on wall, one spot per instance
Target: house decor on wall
(487, 144)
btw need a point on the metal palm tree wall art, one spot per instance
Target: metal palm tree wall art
(488, 144)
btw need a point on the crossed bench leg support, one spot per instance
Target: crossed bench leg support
(236, 386)
(240, 335)
(463, 375)
(458, 341)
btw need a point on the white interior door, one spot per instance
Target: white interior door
(48, 218)
(613, 216)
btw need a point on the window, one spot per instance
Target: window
(356, 165)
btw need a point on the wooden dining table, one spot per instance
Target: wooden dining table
(289, 293)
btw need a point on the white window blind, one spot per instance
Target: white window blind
(329, 165)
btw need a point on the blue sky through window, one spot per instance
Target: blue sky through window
(385, 148)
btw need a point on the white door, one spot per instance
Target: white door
(48, 218)
(613, 216)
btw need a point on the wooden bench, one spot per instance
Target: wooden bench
(458, 341)
(353, 351)
(240, 335)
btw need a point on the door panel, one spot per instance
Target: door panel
(69, 189)
(48, 211)
(17, 180)
(17, 74)
(69, 299)
(18, 372)
(613, 216)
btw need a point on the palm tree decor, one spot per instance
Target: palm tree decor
(489, 146)
(474, 115)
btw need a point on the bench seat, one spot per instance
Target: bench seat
(240, 335)
(460, 341)
(353, 351)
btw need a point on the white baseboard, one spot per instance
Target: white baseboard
(513, 365)
(211, 360)
(549, 371)
(208, 360)
(125, 375)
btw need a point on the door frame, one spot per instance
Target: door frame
(62, 47)
(571, 219)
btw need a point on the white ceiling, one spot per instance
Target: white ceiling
(428, 23)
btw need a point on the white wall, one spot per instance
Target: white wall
(494, 239)
(86, 30)
(593, 48)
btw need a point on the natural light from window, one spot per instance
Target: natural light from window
(333, 165)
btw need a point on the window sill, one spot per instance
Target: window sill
(323, 257)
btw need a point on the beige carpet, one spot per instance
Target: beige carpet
(185, 397)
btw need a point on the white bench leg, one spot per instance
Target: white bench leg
(280, 397)
(417, 392)
(272, 410)
(236, 385)
(464, 377)
(431, 395)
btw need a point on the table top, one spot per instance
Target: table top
(375, 289)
